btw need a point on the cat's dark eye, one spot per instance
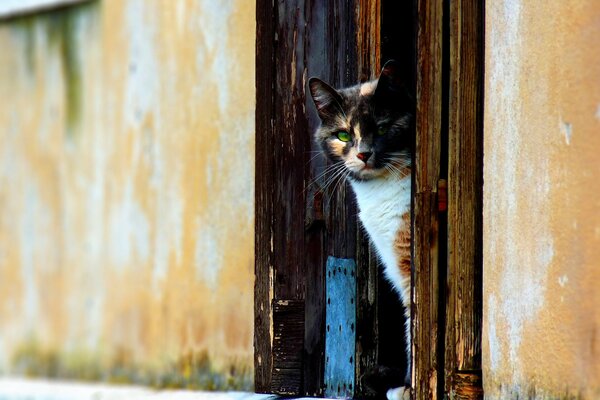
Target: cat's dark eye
(343, 136)
(381, 131)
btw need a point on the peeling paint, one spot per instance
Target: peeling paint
(128, 231)
(142, 95)
(563, 280)
(566, 130)
(208, 260)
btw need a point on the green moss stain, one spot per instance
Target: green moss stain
(24, 27)
(67, 31)
(194, 370)
(72, 69)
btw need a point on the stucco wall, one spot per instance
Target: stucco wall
(542, 199)
(126, 191)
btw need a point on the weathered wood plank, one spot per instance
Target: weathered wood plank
(465, 182)
(263, 285)
(425, 207)
(289, 150)
(368, 38)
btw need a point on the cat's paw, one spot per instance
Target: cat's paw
(399, 393)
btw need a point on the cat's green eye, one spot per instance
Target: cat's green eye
(343, 136)
(381, 131)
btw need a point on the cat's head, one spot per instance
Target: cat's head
(368, 127)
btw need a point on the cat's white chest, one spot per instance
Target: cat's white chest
(382, 203)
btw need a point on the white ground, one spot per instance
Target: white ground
(28, 389)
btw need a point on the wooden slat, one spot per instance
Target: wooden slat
(288, 344)
(368, 38)
(465, 182)
(263, 285)
(290, 148)
(425, 207)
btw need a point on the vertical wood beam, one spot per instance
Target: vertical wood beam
(368, 43)
(368, 38)
(425, 329)
(465, 182)
(263, 280)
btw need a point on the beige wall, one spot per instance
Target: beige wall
(126, 191)
(542, 199)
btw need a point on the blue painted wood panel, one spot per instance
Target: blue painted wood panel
(340, 328)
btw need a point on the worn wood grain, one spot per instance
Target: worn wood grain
(465, 182)
(288, 343)
(466, 385)
(263, 285)
(425, 206)
(368, 38)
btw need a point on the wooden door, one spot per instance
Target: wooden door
(305, 233)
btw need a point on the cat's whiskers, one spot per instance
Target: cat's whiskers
(333, 178)
(316, 154)
(388, 169)
(341, 179)
(392, 172)
(398, 162)
(339, 107)
(328, 169)
(333, 173)
(398, 173)
(400, 159)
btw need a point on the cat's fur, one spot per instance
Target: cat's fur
(378, 116)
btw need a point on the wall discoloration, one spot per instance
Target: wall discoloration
(542, 179)
(127, 184)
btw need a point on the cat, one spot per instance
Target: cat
(367, 131)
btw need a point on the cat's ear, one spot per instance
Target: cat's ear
(390, 84)
(326, 98)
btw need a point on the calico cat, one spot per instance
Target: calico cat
(367, 132)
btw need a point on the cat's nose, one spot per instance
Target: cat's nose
(364, 156)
